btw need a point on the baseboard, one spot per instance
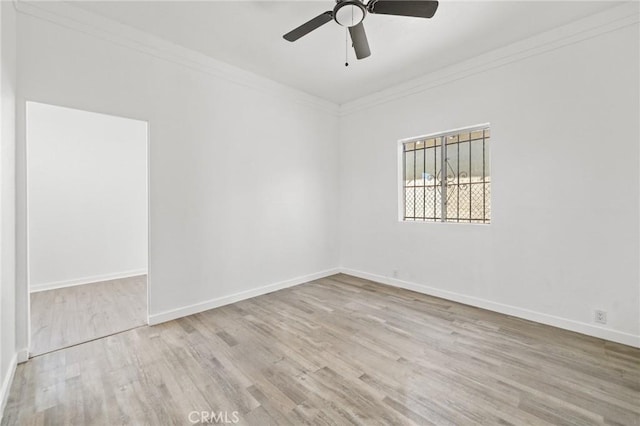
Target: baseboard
(6, 383)
(23, 355)
(86, 280)
(564, 323)
(236, 297)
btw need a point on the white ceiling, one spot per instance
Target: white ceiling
(248, 34)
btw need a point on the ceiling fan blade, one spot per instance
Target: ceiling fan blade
(417, 8)
(359, 39)
(307, 27)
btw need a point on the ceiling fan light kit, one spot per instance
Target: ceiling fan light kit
(351, 13)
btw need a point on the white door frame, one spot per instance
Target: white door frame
(23, 302)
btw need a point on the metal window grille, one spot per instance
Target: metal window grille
(447, 177)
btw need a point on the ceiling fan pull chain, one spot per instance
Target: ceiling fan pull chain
(346, 47)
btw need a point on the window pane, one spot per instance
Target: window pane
(420, 159)
(430, 166)
(437, 195)
(477, 161)
(432, 203)
(420, 206)
(477, 200)
(453, 171)
(487, 179)
(452, 203)
(409, 202)
(408, 168)
(487, 197)
(477, 176)
(487, 161)
(464, 165)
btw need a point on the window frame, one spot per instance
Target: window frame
(401, 171)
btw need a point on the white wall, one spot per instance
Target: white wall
(87, 196)
(243, 180)
(7, 198)
(565, 188)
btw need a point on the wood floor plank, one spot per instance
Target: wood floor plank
(67, 316)
(335, 351)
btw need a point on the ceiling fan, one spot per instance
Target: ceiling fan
(351, 13)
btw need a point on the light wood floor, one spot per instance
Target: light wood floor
(339, 350)
(72, 315)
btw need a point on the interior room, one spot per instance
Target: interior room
(308, 212)
(87, 225)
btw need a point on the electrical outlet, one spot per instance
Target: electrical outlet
(395, 273)
(600, 317)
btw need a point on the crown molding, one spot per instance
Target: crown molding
(583, 29)
(74, 18)
(77, 19)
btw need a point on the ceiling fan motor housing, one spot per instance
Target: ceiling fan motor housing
(349, 13)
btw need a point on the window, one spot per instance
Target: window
(463, 192)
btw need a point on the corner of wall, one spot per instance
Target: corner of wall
(7, 380)
(160, 317)
(8, 77)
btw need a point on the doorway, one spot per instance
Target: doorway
(87, 225)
